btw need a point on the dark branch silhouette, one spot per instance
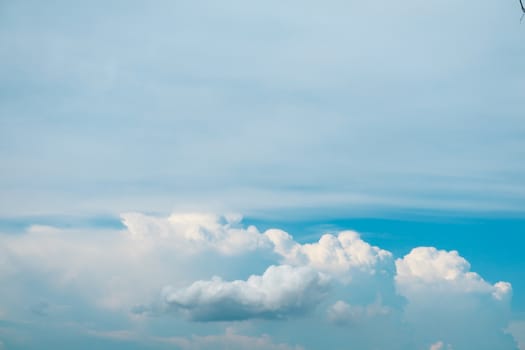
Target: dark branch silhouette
(522, 7)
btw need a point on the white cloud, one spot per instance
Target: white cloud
(442, 271)
(194, 232)
(441, 289)
(281, 291)
(106, 269)
(118, 270)
(342, 255)
(339, 254)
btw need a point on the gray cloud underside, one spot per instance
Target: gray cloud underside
(280, 292)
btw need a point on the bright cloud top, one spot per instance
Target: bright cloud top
(337, 254)
(196, 232)
(447, 272)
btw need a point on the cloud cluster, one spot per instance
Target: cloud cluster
(279, 292)
(339, 254)
(209, 262)
(192, 233)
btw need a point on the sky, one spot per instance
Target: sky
(266, 175)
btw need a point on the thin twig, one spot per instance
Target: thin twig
(522, 7)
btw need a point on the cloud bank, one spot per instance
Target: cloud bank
(205, 271)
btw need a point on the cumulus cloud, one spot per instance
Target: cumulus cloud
(442, 292)
(339, 254)
(280, 292)
(195, 231)
(442, 271)
(116, 270)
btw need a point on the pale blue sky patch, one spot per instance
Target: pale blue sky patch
(403, 104)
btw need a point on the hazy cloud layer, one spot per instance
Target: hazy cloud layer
(230, 341)
(341, 313)
(267, 106)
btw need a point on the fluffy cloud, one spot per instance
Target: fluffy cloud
(117, 269)
(339, 254)
(444, 272)
(281, 291)
(343, 255)
(194, 232)
(443, 293)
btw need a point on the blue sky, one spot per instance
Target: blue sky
(400, 121)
